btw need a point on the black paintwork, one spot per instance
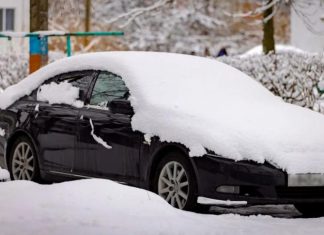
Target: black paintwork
(66, 150)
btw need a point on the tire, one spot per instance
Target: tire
(23, 161)
(311, 209)
(175, 182)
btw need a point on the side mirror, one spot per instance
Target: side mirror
(120, 106)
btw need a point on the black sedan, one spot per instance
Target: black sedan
(56, 142)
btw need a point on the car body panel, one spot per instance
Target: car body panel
(119, 162)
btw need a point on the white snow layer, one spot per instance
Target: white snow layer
(279, 49)
(321, 85)
(104, 207)
(203, 104)
(2, 132)
(62, 93)
(4, 174)
(209, 201)
(97, 138)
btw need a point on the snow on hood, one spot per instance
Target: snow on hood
(203, 104)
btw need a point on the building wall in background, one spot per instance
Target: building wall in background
(21, 24)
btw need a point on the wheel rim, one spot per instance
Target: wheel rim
(23, 164)
(173, 184)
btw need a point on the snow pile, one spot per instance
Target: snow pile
(295, 77)
(63, 93)
(2, 132)
(105, 207)
(14, 67)
(4, 175)
(320, 85)
(203, 104)
(258, 50)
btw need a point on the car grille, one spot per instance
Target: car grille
(300, 192)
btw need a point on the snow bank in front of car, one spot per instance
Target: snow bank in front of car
(203, 104)
(104, 207)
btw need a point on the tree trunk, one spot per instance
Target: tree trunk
(87, 20)
(38, 46)
(268, 41)
(38, 15)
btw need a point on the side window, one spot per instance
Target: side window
(108, 87)
(80, 80)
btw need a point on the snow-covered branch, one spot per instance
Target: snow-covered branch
(132, 14)
(257, 11)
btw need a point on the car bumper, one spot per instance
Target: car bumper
(250, 182)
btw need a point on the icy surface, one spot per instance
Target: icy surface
(62, 93)
(203, 103)
(104, 207)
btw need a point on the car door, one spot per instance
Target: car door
(56, 125)
(107, 145)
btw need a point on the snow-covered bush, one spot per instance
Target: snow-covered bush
(13, 68)
(292, 76)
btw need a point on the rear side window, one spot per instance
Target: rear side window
(108, 87)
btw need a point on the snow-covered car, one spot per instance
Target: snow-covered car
(193, 130)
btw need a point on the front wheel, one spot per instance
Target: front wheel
(23, 163)
(311, 209)
(175, 181)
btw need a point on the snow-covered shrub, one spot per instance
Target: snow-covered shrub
(13, 68)
(292, 76)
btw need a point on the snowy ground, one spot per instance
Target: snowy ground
(105, 207)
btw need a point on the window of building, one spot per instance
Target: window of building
(7, 19)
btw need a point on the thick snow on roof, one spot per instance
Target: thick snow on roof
(105, 207)
(203, 103)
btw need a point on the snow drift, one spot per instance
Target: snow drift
(203, 104)
(258, 50)
(105, 207)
